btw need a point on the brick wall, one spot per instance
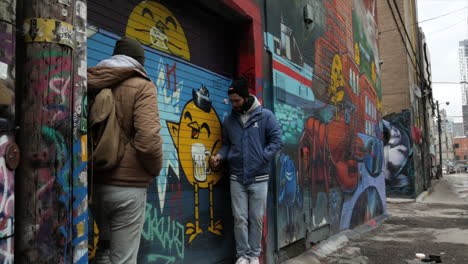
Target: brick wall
(395, 68)
(461, 148)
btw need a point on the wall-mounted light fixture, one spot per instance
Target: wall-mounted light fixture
(309, 17)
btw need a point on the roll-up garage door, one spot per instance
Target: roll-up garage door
(190, 56)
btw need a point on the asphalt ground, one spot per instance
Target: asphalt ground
(435, 225)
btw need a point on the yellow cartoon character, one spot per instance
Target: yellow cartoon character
(337, 81)
(357, 54)
(154, 25)
(197, 136)
(336, 91)
(374, 72)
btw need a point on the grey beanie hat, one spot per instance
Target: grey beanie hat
(130, 47)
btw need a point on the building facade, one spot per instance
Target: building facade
(458, 130)
(463, 67)
(406, 98)
(315, 63)
(447, 143)
(461, 150)
(446, 137)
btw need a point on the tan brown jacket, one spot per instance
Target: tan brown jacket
(137, 112)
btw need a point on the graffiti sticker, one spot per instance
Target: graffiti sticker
(48, 30)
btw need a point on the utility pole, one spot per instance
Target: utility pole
(80, 158)
(424, 76)
(426, 140)
(52, 182)
(439, 172)
(9, 152)
(447, 152)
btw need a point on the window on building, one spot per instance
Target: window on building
(457, 157)
(456, 145)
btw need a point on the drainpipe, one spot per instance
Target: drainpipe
(439, 172)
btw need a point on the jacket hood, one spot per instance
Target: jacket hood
(110, 72)
(256, 104)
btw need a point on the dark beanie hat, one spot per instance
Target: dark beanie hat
(130, 47)
(239, 86)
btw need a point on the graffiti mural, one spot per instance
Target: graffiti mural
(154, 25)
(290, 196)
(324, 90)
(8, 158)
(173, 28)
(368, 206)
(334, 138)
(365, 33)
(188, 203)
(197, 137)
(7, 204)
(188, 207)
(169, 233)
(398, 165)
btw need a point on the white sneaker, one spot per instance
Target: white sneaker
(242, 260)
(254, 261)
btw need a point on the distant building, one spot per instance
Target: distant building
(463, 64)
(461, 148)
(446, 137)
(447, 125)
(458, 130)
(406, 91)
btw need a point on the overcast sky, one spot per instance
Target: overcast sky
(443, 35)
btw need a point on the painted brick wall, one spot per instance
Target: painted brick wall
(326, 79)
(326, 94)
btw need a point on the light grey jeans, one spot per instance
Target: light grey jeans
(248, 208)
(120, 215)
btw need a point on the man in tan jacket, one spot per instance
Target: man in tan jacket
(120, 193)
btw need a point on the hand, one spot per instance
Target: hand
(215, 161)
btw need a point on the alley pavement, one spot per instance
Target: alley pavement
(435, 224)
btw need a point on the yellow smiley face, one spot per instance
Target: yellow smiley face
(197, 136)
(155, 26)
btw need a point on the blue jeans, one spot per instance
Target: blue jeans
(248, 208)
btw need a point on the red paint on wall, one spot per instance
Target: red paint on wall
(416, 134)
(291, 73)
(250, 41)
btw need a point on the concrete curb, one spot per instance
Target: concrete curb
(425, 194)
(400, 200)
(422, 196)
(335, 242)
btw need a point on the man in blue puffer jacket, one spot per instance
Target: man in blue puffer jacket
(251, 138)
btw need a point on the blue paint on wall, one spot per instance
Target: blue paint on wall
(170, 196)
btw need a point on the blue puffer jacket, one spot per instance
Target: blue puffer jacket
(248, 148)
